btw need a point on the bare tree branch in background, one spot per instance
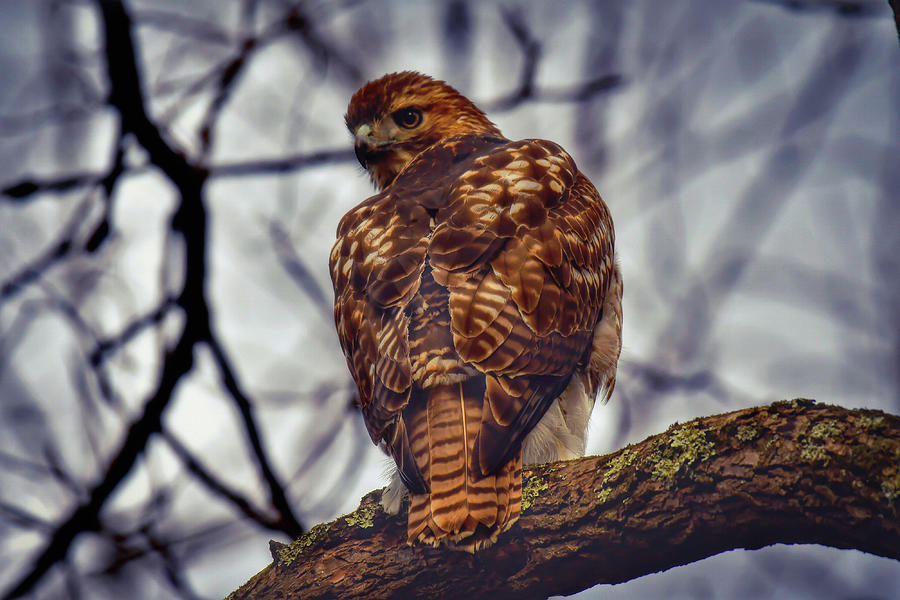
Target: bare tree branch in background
(282, 165)
(189, 220)
(844, 8)
(893, 4)
(526, 88)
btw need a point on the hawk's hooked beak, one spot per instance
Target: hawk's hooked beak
(366, 144)
(360, 151)
(363, 143)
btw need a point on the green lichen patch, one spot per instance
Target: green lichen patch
(890, 487)
(363, 517)
(769, 451)
(289, 553)
(683, 446)
(825, 430)
(612, 469)
(745, 433)
(870, 422)
(812, 448)
(795, 402)
(813, 452)
(534, 486)
(603, 494)
(615, 465)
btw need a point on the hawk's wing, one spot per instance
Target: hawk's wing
(504, 252)
(525, 248)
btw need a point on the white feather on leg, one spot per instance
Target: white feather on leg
(392, 496)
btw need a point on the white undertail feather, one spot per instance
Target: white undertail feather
(607, 342)
(395, 492)
(561, 433)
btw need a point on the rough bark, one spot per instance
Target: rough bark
(791, 472)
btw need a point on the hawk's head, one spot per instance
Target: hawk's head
(396, 117)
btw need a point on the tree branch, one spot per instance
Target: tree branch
(56, 253)
(854, 9)
(527, 89)
(287, 520)
(282, 165)
(23, 190)
(214, 485)
(298, 270)
(791, 472)
(893, 4)
(190, 218)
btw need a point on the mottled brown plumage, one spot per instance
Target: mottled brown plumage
(477, 301)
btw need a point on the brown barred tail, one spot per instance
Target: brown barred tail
(462, 509)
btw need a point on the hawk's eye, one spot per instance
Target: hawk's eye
(408, 118)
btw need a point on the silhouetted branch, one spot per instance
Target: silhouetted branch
(66, 243)
(187, 87)
(297, 269)
(282, 165)
(841, 8)
(224, 75)
(27, 122)
(34, 270)
(755, 212)
(225, 81)
(21, 191)
(896, 12)
(791, 472)
(190, 221)
(126, 97)
(216, 486)
(195, 29)
(527, 89)
(287, 522)
(112, 344)
(86, 516)
(58, 472)
(174, 574)
(578, 92)
(323, 50)
(531, 51)
(22, 518)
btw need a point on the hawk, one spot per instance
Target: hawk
(477, 301)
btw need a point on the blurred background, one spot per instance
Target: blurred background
(172, 393)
